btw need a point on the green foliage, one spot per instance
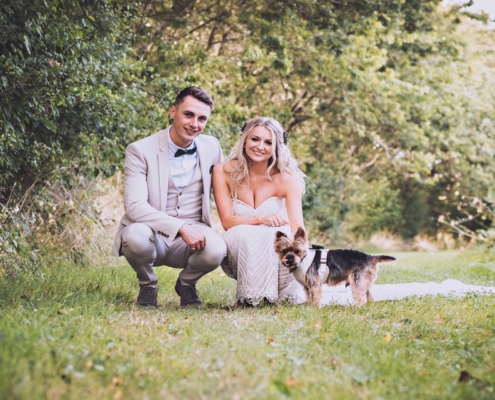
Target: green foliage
(393, 94)
(393, 97)
(59, 222)
(61, 67)
(476, 222)
(374, 207)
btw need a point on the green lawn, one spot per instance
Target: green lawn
(75, 333)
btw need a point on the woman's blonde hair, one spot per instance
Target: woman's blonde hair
(282, 159)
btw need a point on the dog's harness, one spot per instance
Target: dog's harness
(307, 260)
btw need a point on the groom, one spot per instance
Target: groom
(167, 201)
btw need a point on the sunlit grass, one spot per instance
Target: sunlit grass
(78, 334)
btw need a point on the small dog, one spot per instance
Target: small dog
(355, 268)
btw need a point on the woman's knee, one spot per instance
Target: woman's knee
(138, 238)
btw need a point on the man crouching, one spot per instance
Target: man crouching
(167, 201)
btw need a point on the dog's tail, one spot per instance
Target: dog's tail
(313, 280)
(380, 259)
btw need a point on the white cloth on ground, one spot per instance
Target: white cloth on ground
(341, 295)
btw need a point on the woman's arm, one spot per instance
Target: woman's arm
(223, 199)
(293, 200)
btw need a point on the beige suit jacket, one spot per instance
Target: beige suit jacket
(146, 184)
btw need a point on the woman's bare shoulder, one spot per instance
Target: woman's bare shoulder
(287, 177)
(291, 182)
(226, 167)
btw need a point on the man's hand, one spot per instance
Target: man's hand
(193, 238)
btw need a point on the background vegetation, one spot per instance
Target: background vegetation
(389, 104)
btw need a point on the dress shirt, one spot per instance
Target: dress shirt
(182, 167)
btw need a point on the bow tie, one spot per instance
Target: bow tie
(181, 152)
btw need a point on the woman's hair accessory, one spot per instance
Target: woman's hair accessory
(285, 134)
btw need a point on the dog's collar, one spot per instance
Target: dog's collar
(292, 269)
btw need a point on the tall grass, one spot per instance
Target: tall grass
(70, 216)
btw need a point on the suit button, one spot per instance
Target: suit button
(178, 207)
(180, 193)
(160, 233)
(166, 235)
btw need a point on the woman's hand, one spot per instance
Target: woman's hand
(273, 220)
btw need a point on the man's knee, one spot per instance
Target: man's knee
(138, 238)
(214, 252)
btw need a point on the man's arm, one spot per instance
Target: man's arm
(136, 195)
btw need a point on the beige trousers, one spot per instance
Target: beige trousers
(144, 250)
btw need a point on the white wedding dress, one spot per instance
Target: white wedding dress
(252, 261)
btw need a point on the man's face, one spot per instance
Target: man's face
(189, 120)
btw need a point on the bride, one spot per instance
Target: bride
(258, 191)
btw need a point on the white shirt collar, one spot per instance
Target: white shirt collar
(172, 147)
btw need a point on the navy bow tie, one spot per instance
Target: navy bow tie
(181, 152)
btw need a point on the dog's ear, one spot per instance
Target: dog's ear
(300, 234)
(280, 235)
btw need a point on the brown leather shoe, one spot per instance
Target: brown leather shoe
(188, 295)
(147, 297)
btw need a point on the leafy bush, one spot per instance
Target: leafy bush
(394, 95)
(61, 66)
(476, 223)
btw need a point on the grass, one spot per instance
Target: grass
(75, 332)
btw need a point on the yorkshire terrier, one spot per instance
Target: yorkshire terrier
(355, 268)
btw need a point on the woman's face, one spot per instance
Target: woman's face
(259, 144)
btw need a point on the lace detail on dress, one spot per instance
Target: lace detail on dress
(251, 259)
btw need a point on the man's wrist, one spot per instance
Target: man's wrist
(182, 226)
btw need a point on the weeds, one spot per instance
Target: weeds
(57, 222)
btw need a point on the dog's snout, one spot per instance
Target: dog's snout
(290, 258)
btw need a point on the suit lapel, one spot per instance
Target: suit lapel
(204, 164)
(163, 168)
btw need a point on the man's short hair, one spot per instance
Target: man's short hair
(197, 93)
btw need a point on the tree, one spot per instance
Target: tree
(388, 103)
(61, 65)
(382, 99)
